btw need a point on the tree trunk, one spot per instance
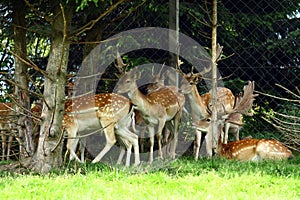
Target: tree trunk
(23, 100)
(46, 157)
(211, 136)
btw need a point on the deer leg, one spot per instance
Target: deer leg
(142, 140)
(128, 155)
(197, 141)
(166, 135)
(125, 143)
(151, 136)
(237, 135)
(72, 148)
(110, 141)
(175, 133)
(136, 153)
(161, 125)
(3, 137)
(10, 139)
(134, 140)
(72, 143)
(82, 145)
(121, 155)
(224, 137)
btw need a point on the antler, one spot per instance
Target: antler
(219, 52)
(120, 65)
(244, 104)
(179, 62)
(158, 77)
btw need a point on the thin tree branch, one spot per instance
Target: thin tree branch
(287, 116)
(205, 23)
(42, 15)
(64, 38)
(287, 90)
(285, 99)
(29, 62)
(91, 24)
(24, 110)
(22, 88)
(128, 13)
(284, 123)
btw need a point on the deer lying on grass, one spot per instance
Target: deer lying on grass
(157, 108)
(93, 112)
(254, 150)
(246, 149)
(6, 115)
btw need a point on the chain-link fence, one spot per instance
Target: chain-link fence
(260, 42)
(259, 39)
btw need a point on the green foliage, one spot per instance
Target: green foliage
(235, 85)
(84, 3)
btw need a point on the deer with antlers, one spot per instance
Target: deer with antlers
(226, 100)
(246, 149)
(157, 108)
(106, 111)
(157, 82)
(199, 104)
(161, 107)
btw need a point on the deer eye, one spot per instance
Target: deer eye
(208, 119)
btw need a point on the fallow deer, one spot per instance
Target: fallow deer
(199, 104)
(254, 150)
(246, 149)
(156, 108)
(93, 112)
(160, 105)
(157, 82)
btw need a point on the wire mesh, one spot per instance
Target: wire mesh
(260, 40)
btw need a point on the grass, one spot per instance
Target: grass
(183, 178)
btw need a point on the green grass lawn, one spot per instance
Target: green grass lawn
(183, 178)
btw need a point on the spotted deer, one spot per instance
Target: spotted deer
(6, 115)
(246, 149)
(94, 112)
(157, 108)
(157, 82)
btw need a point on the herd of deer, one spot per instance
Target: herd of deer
(159, 109)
